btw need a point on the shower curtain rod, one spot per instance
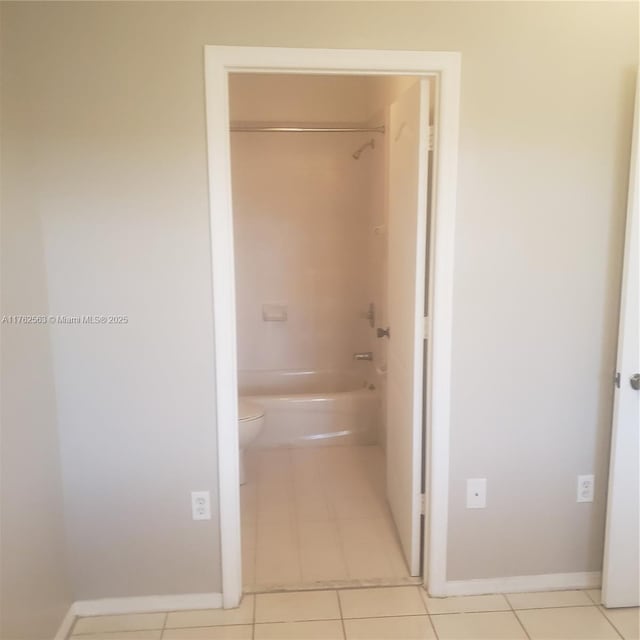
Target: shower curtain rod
(250, 129)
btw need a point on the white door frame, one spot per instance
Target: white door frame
(445, 67)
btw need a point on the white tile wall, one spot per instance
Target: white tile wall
(304, 214)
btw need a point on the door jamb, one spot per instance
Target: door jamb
(445, 66)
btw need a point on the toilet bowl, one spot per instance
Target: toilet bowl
(250, 423)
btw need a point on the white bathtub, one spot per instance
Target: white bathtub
(312, 408)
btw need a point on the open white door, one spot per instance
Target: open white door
(407, 235)
(621, 566)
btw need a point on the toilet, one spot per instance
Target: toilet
(250, 423)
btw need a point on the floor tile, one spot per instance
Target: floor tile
(308, 466)
(549, 599)
(497, 625)
(364, 548)
(387, 531)
(310, 502)
(626, 621)
(277, 566)
(371, 603)
(569, 623)
(393, 628)
(277, 554)
(465, 604)
(238, 632)
(271, 534)
(213, 617)
(595, 595)
(274, 467)
(129, 622)
(292, 488)
(297, 606)
(275, 503)
(121, 635)
(347, 504)
(321, 556)
(317, 630)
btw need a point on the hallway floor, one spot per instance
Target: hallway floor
(318, 516)
(391, 613)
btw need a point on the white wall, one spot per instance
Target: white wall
(115, 129)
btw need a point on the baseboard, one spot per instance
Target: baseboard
(148, 604)
(66, 624)
(519, 584)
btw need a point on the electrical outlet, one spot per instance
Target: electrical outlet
(476, 493)
(585, 488)
(200, 505)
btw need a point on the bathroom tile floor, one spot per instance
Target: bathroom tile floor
(383, 613)
(318, 517)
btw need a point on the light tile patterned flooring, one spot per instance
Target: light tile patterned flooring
(387, 613)
(317, 515)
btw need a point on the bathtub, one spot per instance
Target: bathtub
(312, 408)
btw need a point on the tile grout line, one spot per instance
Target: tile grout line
(164, 624)
(601, 610)
(256, 513)
(333, 515)
(343, 553)
(526, 633)
(255, 519)
(423, 594)
(206, 626)
(253, 617)
(516, 616)
(344, 629)
(564, 606)
(433, 626)
(293, 515)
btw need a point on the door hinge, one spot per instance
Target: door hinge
(425, 328)
(431, 137)
(423, 504)
(616, 379)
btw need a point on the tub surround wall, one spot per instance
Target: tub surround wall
(304, 217)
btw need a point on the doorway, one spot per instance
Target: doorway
(330, 182)
(444, 70)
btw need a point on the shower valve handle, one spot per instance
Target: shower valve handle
(383, 332)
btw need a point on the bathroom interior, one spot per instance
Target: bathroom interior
(310, 180)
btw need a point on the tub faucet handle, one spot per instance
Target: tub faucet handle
(364, 355)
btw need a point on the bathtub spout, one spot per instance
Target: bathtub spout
(365, 355)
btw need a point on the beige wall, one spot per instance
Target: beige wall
(35, 592)
(112, 111)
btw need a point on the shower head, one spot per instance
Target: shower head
(356, 154)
